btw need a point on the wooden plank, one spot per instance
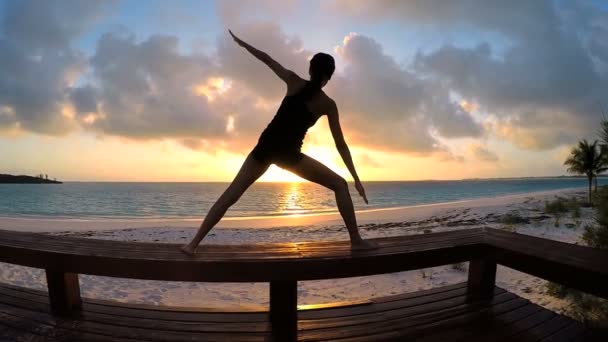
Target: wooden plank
(128, 259)
(591, 258)
(10, 334)
(89, 318)
(257, 270)
(25, 299)
(410, 324)
(116, 329)
(261, 314)
(473, 323)
(283, 310)
(372, 337)
(64, 293)
(453, 328)
(554, 261)
(177, 325)
(444, 311)
(544, 329)
(419, 293)
(140, 319)
(592, 336)
(497, 326)
(410, 318)
(34, 331)
(569, 333)
(150, 313)
(382, 306)
(574, 256)
(166, 335)
(74, 245)
(531, 321)
(27, 328)
(158, 261)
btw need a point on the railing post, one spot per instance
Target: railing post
(284, 310)
(64, 292)
(482, 278)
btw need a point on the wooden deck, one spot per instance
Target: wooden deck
(440, 314)
(477, 310)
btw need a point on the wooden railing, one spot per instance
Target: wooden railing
(284, 264)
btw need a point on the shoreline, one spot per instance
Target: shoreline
(364, 216)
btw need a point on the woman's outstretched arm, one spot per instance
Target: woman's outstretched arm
(284, 74)
(336, 132)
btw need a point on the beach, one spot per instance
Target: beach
(421, 219)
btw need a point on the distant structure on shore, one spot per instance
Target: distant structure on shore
(39, 179)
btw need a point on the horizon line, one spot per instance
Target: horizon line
(350, 181)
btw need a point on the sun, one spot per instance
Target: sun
(276, 174)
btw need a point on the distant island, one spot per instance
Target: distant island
(40, 179)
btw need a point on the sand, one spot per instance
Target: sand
(485, 212)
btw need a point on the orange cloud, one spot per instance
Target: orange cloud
(212, 88)
(468, 106)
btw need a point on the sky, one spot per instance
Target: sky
(110, 90)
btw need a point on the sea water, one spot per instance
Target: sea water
(192, 200)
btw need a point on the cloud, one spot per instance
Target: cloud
(550, 63)
(542, 84)
(148, 89)
(151, 90)
(493, 15)
(392, 108)
(37, 64)
(144, 90)
(482, 153)
(539, 130)
(7, 116)
(234, 12)
(85, 99)
(50, 24)
(34, 87)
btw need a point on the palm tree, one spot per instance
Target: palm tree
(603, 133)
(587, 159)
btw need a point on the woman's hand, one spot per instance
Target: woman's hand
(236, 39)
(361, 191)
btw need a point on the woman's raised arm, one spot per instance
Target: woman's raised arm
(284, 74)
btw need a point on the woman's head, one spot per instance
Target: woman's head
(321, 68)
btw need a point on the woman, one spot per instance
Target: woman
(281, 141)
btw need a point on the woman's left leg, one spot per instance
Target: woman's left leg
(250, 171)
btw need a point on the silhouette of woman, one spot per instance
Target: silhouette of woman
(281, 141)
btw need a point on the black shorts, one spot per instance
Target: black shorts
(281, 157)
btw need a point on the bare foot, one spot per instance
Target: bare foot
(188, 250)
(363, 245)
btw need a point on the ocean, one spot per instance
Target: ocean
(99, 200)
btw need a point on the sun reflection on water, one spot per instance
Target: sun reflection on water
(291, 200)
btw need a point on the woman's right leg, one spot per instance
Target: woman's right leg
(314, 171)
(250, 171)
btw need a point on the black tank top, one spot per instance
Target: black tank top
(288, 128)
